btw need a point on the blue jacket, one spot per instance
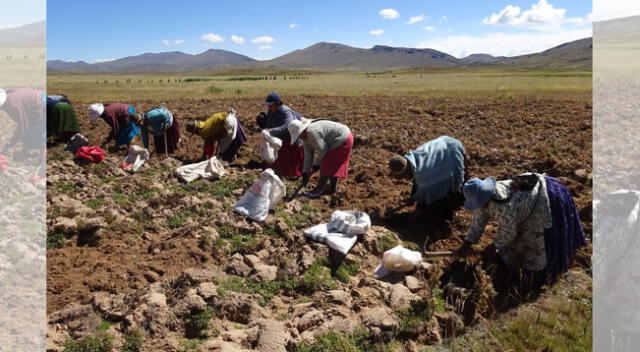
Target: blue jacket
(438, 168)
(277, 123)
(157, 120)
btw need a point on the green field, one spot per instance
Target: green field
(428, 83)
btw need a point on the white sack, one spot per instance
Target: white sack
(136, 157)
(206, 169)
(351, 222)
(398, 259)
(341, 232)
(269, 146)
(322, 233)
(263, 195)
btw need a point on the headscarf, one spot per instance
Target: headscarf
(95, 110)
(3, 97)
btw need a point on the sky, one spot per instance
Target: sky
(95, 31)
(16, 13)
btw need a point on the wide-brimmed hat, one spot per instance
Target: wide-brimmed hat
(296, 127)
(271, 98)
(95, 110)
(478, 192)
(3, 97)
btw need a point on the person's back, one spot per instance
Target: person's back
(213, 128)
(116, 115)
(157, 120)
(438, 167)
(327, 134)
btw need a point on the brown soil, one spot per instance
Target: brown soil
(137, 245)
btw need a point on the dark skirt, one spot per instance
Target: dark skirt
(173, 135)
(290, 160)
(441, 210)
(565, 235)
(230, 154)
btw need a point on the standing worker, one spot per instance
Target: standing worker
(437, 169)
(333, 142)
(222, 133)
(275, 121)
(164, 128)
(120, 117)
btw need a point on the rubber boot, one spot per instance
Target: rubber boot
(319, 190)
(333, 186)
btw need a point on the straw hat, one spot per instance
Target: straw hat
(296, 127)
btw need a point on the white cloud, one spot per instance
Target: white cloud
(294, 25)
(610, 9)
(444, 18)
(265, 39)
(376, 31)
(429, 28)
(165, 42)
(416, 19)
(262, 58)
(501, 44)
(178, 41)
(97, 61)
(212, 38)
(237, 39)
(542, 16)
(264, 47)
(389, 14)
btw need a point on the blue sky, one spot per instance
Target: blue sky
(98, 30)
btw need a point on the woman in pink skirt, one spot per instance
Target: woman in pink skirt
(276, 120)
(333, 142)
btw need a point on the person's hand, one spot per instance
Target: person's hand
(315, 169)
(464, 249)
(489, 252)
(305, 178)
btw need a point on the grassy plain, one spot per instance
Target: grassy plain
(428, 83)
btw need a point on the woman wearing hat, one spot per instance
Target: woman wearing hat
(161, 123)
(278, 116)
(539, 229)
(120, 117)
(222, 133)
(437, 169)
(333, 142)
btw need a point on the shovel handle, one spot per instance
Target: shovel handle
(446, 254)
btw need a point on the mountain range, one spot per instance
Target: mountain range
(332, 57)
(31, 35)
